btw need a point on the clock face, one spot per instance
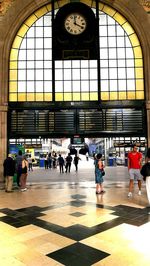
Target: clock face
(75, 23)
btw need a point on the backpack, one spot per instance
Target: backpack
(145, 170)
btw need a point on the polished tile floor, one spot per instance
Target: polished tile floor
(60, 220)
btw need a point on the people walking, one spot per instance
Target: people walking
(99, 169)
(134, 166)
(24, 173)
(68, 163)
(19, 166)
(9, 170)
(61, 163)
(76, 161)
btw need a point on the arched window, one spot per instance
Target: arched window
(121, 63)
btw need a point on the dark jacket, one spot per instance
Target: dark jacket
(9, 167)
(145, 170)
(76, 160)
(61, 160)
(69, 159)
(19, 161)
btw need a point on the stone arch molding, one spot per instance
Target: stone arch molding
(5, 5)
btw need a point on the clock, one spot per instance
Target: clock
(74, 32)
(75, 23)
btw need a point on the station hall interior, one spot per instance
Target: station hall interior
(114, 150)
(74, 79)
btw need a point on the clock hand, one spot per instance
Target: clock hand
(74, 20)
(79, 25)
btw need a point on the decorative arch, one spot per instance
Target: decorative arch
(15, 16)
(134, 93)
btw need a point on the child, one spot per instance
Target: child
(99, 172)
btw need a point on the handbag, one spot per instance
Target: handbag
(103, 172)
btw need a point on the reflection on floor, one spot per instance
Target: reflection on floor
(66, 223)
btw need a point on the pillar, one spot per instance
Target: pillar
(3, 139)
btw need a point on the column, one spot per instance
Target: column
(3, 139)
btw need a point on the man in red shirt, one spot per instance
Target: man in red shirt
(134, 166)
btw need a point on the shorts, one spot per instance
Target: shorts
(135, 174)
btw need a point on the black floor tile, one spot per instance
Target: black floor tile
(48, 226)
(107, 225)
(28, 219)
(12, 213)
(16, 222)
(32, 209)
(77, 203)
(78, 254)
(132, 215)
(20, 223)
(76, 232)
(8, 219)
(139, 221)
(78, 196)
(7, 211)
(126, 214)
(77, 214)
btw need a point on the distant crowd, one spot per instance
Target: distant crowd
(64, 163)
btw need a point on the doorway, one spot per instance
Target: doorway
(113, 149)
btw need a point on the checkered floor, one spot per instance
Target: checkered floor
(66, 223)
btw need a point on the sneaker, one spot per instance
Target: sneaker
(102, 191)
(140, 193)
(23, 189)
(130, 194)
